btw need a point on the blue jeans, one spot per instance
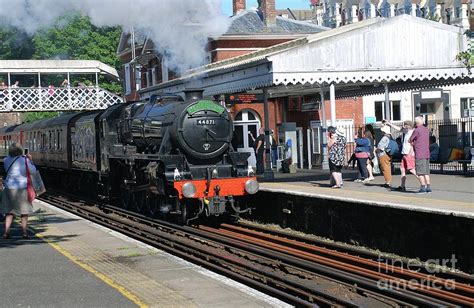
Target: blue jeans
(274, 156)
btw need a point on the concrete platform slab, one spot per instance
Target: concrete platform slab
(73, 262)
(452, 195)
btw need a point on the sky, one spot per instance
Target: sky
(280, 4)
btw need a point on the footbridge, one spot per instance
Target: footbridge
(55, 85)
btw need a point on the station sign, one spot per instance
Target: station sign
(243, 98)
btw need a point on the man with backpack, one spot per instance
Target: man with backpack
(386, 148)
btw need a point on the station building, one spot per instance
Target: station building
(252, 32)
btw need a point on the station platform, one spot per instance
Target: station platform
(452, 194)
(72, 262)
(426, 226)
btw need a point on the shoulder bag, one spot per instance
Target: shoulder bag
(34, 183)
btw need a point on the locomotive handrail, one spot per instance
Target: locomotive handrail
(56, 99)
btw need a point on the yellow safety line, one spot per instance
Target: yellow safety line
(96, 273)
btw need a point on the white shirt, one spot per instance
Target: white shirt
(16, 177)
(407, 147)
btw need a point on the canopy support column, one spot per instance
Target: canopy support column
(387, 103)
(268, 174)
(332, 97)
(325, 163)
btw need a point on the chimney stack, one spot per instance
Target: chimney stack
(238, 5)
(267, 7)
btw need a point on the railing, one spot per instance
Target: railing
(452, 133)
(56, 99)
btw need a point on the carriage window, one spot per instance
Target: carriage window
(59, 140)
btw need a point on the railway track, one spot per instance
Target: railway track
(297, 272)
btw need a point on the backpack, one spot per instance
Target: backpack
(392, 147)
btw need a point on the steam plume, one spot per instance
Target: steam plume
(179, 28)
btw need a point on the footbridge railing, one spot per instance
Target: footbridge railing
(56, 99)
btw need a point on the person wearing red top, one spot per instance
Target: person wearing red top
(420, 139)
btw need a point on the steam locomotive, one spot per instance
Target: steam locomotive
(164, 156)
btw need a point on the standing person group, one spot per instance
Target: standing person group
(337, 155)
(15, 199)
(415, 150)
(408, 154)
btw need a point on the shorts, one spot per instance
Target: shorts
(408, 162)
(422, 166)
(334, 168)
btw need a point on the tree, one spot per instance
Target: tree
(15, 44)
(74, 37)
(467, 57)
(34, 116)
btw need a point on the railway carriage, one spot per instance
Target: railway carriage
(165, 156)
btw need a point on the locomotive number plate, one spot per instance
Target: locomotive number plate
(206, 122)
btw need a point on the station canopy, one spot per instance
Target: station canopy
(404, 52)
(57, 66)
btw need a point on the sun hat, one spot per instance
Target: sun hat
(339, 132)
(385, 129)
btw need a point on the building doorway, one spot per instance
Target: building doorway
(245, 122)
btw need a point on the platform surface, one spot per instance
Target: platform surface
(71, 262)
(452, 194)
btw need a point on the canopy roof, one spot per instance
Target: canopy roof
(56, 66)
(405, 51)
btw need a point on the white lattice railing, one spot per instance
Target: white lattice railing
(56, 99)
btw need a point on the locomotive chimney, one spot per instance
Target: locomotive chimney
(238, 5)
(193, 94)
(267, 8)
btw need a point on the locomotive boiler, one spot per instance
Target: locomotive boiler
(165, 156)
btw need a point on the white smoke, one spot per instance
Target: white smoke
(179, 28)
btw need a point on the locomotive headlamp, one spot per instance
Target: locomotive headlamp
(215, 174)
(251, 186)
(189, 190)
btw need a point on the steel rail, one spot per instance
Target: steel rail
(354, 251)
(431, 291)
(346, 257)
(169, 244)
(361, 283)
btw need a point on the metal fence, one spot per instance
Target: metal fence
(450, 134)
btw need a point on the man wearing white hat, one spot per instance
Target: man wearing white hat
(385, 161)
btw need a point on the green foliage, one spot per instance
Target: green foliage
(34, 116)
(75, 38)
(15, 44)
(467, 57)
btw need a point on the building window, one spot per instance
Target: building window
(467, 104)
(380, 110)
(427, 108)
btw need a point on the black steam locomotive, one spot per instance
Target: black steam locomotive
(164, 156)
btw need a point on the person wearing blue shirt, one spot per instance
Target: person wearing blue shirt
(434, 149)
(15, 197)
(362, 153)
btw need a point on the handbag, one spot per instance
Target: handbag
(29, 185)
(34, 183)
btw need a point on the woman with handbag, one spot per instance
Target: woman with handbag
(15, 194)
